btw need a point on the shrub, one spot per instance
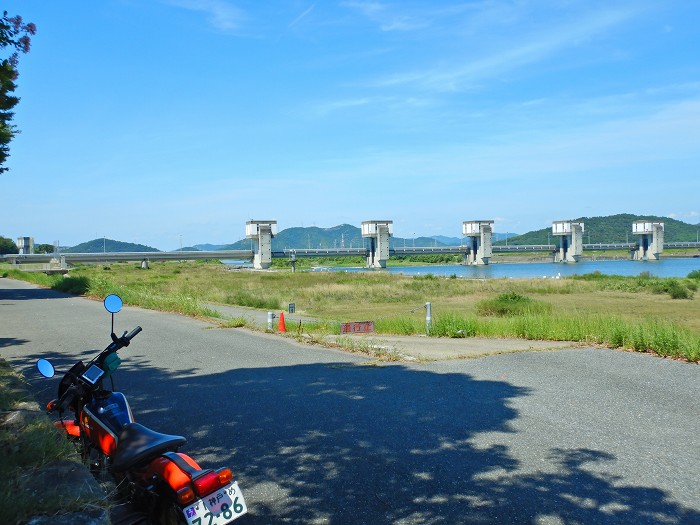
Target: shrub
(73, 285)
(677, 291)
(243, 298)
(512, 304)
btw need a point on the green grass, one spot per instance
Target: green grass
(25, 449)
(644, 313)
(143, 294)
(234, 322)
(512, 304)
(664, 338)
(644, 282)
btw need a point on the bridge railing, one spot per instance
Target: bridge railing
(290, 253)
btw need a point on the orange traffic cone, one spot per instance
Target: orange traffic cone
(282, 327)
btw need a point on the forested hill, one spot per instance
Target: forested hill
(108, 245)
(312, 237)
(611, 229)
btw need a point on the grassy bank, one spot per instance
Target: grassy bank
(643, 313)
(29, 442)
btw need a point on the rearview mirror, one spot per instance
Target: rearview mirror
(45, 367)
(113, 303)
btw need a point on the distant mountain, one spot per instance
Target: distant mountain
(108, 245)
(456, 241)
(447, 241)
(344, 235)
(612, 229)
(503, 236)
(206, 247)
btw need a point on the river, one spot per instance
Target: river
(670, 267)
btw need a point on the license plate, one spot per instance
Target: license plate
(218, 508)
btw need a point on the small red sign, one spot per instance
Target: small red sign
(358, 327)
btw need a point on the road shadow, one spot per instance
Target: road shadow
(26, 294)
(348, 444)
(12, 341)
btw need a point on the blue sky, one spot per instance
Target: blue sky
(175, 121)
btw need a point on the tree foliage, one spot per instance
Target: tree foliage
(44, 248)
(612, 229)
(7, 246)
(109, 245)
(14, 39)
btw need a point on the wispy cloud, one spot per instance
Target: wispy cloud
(301, 16)
(388, 19)
(516, 52)
(222, 15)
(688, 216)
(325, 108)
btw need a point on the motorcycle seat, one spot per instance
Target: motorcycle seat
(138, 444)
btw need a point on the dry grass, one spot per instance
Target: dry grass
(339, 296)
(331, 295)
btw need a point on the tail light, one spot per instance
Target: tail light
(225, 476)
(211, 481)
(185, 496)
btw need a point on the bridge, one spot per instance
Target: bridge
(477, 250)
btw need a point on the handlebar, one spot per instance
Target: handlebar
(120, 342)
(133, 333)
(61, 404)
(78, 385)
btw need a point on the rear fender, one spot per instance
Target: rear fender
(174, 468)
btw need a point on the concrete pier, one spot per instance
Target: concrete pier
(25, 245)
(570, 235)
(480, 236)
(651, 240)
(378, 233)
(261, 233)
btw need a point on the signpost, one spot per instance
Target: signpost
(357, 327)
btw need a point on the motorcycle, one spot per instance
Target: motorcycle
(166, 486)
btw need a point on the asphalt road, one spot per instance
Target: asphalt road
(320, 436)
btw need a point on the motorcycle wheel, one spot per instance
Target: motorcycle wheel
(171, 514)
(97, 464)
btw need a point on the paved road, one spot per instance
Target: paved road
(320, 436)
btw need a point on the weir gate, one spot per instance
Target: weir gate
(477, 250)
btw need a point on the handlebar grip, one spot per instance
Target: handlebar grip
(66, 399)
(133, 333)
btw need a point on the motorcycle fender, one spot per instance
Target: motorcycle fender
(68, 426)
(167, 469)
(99, 433)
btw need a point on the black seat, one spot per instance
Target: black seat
(138, 444)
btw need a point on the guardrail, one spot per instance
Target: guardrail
(131, 256)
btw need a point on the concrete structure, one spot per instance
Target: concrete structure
(25, 245)
(651, 246)
(651, 240)
(262, 233)
(480, 234)
(570, 235)
(378, 233)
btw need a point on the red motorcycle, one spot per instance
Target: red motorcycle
(164, 486)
